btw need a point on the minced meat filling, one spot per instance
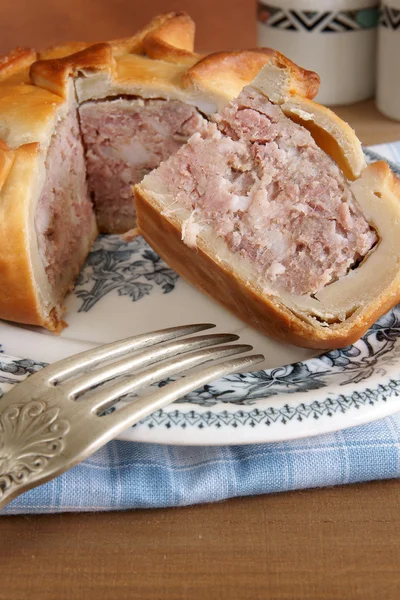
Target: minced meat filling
(64, 216)
(125, 139)
(277, 199)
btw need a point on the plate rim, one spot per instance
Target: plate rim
(384, 391)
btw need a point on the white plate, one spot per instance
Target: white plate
(125, 289)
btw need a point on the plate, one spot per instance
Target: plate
(125, 289)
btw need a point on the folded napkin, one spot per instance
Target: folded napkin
(126, 475)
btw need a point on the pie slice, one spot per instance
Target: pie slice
(272, 211)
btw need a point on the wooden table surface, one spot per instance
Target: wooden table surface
(330, 544)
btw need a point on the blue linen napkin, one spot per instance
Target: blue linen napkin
(125, 475)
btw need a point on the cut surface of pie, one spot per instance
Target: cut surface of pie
(124, 140)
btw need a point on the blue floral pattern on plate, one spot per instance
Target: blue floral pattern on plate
(132, 270)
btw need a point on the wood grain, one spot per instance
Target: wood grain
(369, 124)
(332, 544)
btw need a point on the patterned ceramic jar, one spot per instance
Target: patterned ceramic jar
(388, 91)
(338, 41)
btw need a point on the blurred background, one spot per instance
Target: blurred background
(353, 45)
(221, 24)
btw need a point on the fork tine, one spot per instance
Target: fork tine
(79, 385)
(105, 398)
(89, 358)
(133, 412)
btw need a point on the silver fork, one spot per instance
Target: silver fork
(57, 417)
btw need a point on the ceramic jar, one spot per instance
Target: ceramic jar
(388, 88)
(337, 40)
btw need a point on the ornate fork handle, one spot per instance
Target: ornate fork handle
(31, 435)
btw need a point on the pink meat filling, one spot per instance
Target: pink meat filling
(276, 198)
(125, 139)
(64, 216)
